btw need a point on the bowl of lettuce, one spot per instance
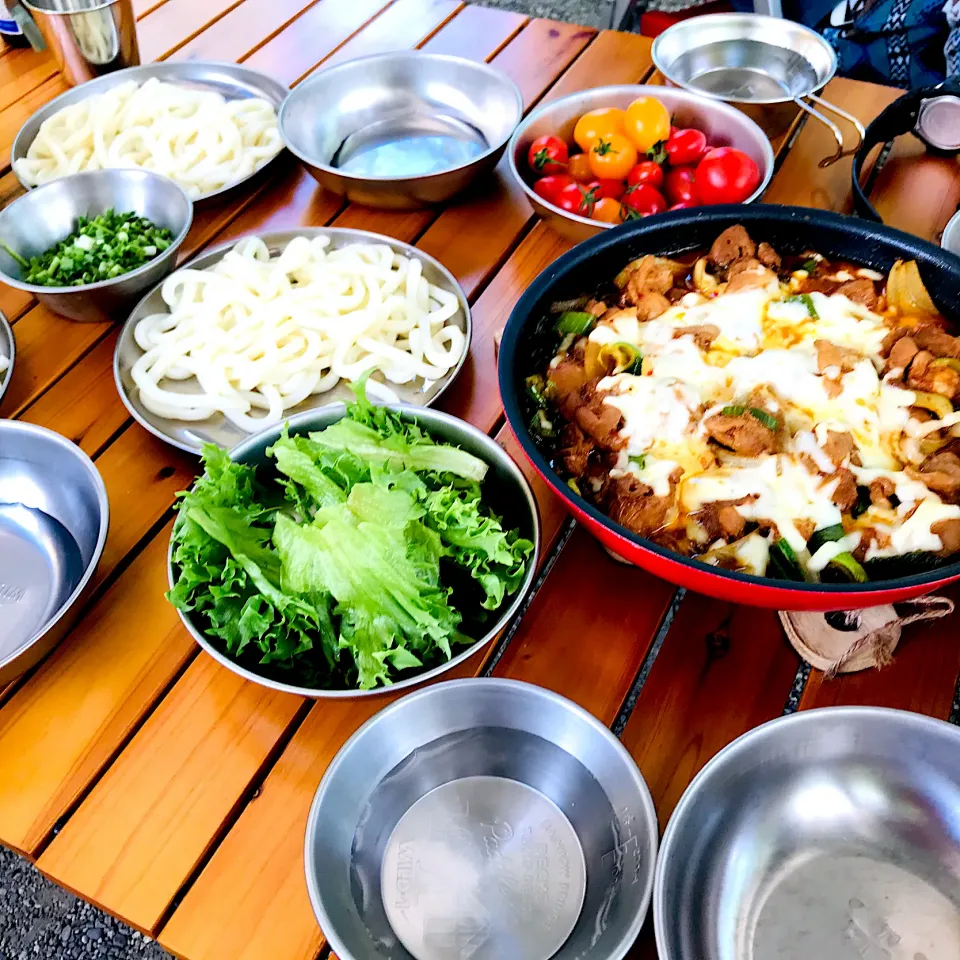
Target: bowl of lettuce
(354, 549)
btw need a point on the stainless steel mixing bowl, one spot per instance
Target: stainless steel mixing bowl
(488, 819)
(53, 527)
(8, 350)
(43, 217)
(831, 834)
(401, 130)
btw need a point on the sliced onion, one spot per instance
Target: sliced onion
(906, 291)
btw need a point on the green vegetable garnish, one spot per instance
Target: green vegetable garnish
(360, 551)
(105, 247)
(537, 389)
(542, 425)
(824, 535)
(783, 562)
(733, 410)
(809, 265)
(640, 459)
(767, 419)
(807, 301)
(844, 568)
(577, 322)
(625, 356)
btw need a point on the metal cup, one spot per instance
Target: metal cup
(89, 38)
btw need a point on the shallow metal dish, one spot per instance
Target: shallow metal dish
(505, 488)
(723, 125)
(831, 833)
(8, 349)
(231, 80)
(43, 217)
(488, 819)
(53, 527)
(766, 66)
(397, 101)
(191, 435)
(951, 235)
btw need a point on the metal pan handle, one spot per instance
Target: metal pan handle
(834, 129)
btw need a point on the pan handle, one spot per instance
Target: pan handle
(834, 129)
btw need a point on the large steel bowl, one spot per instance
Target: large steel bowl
(442, 122)
(830, 834)
(43, 217)
(504, 488)
(53, 527)
(724, 126)
(487, 819)
(8, 351)
(789, 229)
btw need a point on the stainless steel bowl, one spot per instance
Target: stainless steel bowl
(832, 833)
(401, 130)
(53, 527)
(723, 126)
(191, 435)
(488, 819)
(505, 488)
(951, 235)
(43, 217)
(8, 349)
(230, 80)
(766, 66)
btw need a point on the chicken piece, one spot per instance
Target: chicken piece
(647, 275)
(830, 355)
(731, 523)
(941, 473)
(839, 447)
(703, 334)
(896, 334)
(937, 341)
(598, 419)
(862, 291)
(651, 305)
(805, 527)
(925, 375)
(721, 519)
(633, 504)
(742, 434)
(732, 245)
(567, 378)
(901, 353)
(949, 533)
(769, 257)
(574, 450)
(881, 490)
(752, 276)
(845, 492)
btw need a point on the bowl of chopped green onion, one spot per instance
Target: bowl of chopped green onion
(89, 245)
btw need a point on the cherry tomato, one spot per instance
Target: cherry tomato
(607, 210)
(574, 198)
(682, 205)
(597, 125)
(678, 185)
(726, 175)
(685, 146)
(606, 189)
(642, 201)
(612, 158)
(547, 155)
(550, 186)
(579, 167)
(646, 171)
(647, 122)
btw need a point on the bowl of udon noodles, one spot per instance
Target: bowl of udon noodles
(758, 403)
(207, 126)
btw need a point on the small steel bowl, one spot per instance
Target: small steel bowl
(43, 217)
(832, 833)
(723, 125)
(53, 527)
(951, 235)
(480, 818)
(8, 350)
(505, 489)
(440, 122)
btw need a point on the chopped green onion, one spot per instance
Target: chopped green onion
(542, 425)
(536, 390)
(844, 568)
(807, 301)
(733, 411)
(625, 356)
(809, 265)
(830, 534)
(640, 459)
(767, 419)
(574, 486)
(575, 321)
(784, 563)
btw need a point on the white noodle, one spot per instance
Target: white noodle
(260, 335)
(195, 137)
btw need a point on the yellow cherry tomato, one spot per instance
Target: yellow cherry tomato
(596, 124)
(607, 210)
(578, 166)
(647, 122)
(613, 157)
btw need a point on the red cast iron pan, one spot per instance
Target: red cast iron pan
(789, 229)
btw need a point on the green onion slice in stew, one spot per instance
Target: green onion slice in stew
(807, 301)
(542, 425)
(767, 419)
(784, 563)
(625, 356)
(830, 534)
(640, 459)
(575, 321)
(934, 402)
(952, 362)
(537, 390)
(844, 568)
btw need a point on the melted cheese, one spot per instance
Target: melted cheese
(914, 535)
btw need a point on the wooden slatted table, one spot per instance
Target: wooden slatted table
(137, 772)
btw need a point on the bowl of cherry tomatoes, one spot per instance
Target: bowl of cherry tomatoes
(595, 159)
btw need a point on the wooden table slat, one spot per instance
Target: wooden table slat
(459, 37)
(21, 72)
(169, 27)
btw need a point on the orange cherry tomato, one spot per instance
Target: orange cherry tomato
(597, 124)
(646, 123)
(578, 166)
(613, 157)
(607, 210)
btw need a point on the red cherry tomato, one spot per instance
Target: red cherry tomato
(726, 175)
(646, 171)
(549, 187)
(575, 198)
(685, 146)
(642, 201)
(603, 189)
(547, 155)
(682, 205)
(678, 185)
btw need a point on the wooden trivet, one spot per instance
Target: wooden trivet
(852, 640)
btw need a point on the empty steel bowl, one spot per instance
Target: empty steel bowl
(830, 834)
(487, 819)
(43, 217)
(53, 526)
(401, 130)
(723, 126)
(8, 354)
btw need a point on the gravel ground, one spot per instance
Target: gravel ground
(37, 918)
